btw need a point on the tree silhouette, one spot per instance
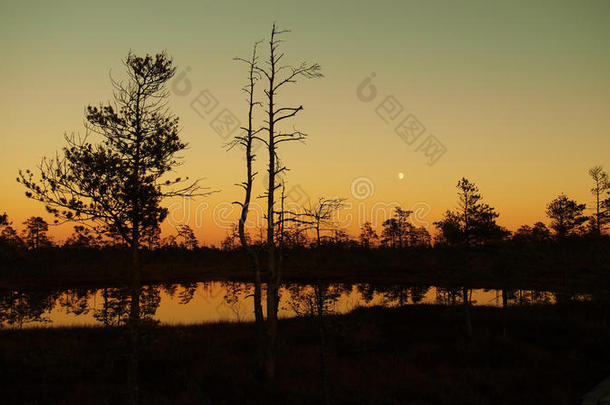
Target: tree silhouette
(151, 237)
(83, 237)
(117, 182)
(399, 233)
(391, 233)
(368, 236)
(605, 209)
(566, 215)
(246, 140)
(474, 222)
(295, 235)
(419, 237)
(340, 238)
(232, 240)
(186, 237)
(395, 229)
(276, 77)
(319, 217)
(8, 234)
(601, 185)
(35, 233)
(538, 233)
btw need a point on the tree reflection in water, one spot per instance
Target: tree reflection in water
(321, 298)
(116, 305)
(18, 308)
(235, 295)
(230, 301)
(392, 294)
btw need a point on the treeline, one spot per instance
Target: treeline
(472, 223)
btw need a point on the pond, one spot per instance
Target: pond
(216, 301)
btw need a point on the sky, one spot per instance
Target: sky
(516, 94)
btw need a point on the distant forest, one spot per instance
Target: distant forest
(473, 223)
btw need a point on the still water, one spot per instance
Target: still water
(216, 301)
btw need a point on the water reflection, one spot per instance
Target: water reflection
(111, 306)
(19, 308)
(232, 301)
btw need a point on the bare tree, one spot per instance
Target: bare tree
(187, 237)
(246, 140)
(320, 216)
(276, 77)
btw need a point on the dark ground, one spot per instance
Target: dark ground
(418, 355)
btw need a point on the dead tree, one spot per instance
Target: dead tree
(277, 76)
(246, 140)
(320, 215)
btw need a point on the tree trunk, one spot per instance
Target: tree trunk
(271, 330)
(504, 309)
(135, 286)
(105, 310)
(597, 223)
(468, 320)
(272, 276)
(259, 322)
(320, 293)
(134, 320)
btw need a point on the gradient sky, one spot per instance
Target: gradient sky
(518, 92)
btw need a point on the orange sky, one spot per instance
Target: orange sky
(517, 93)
